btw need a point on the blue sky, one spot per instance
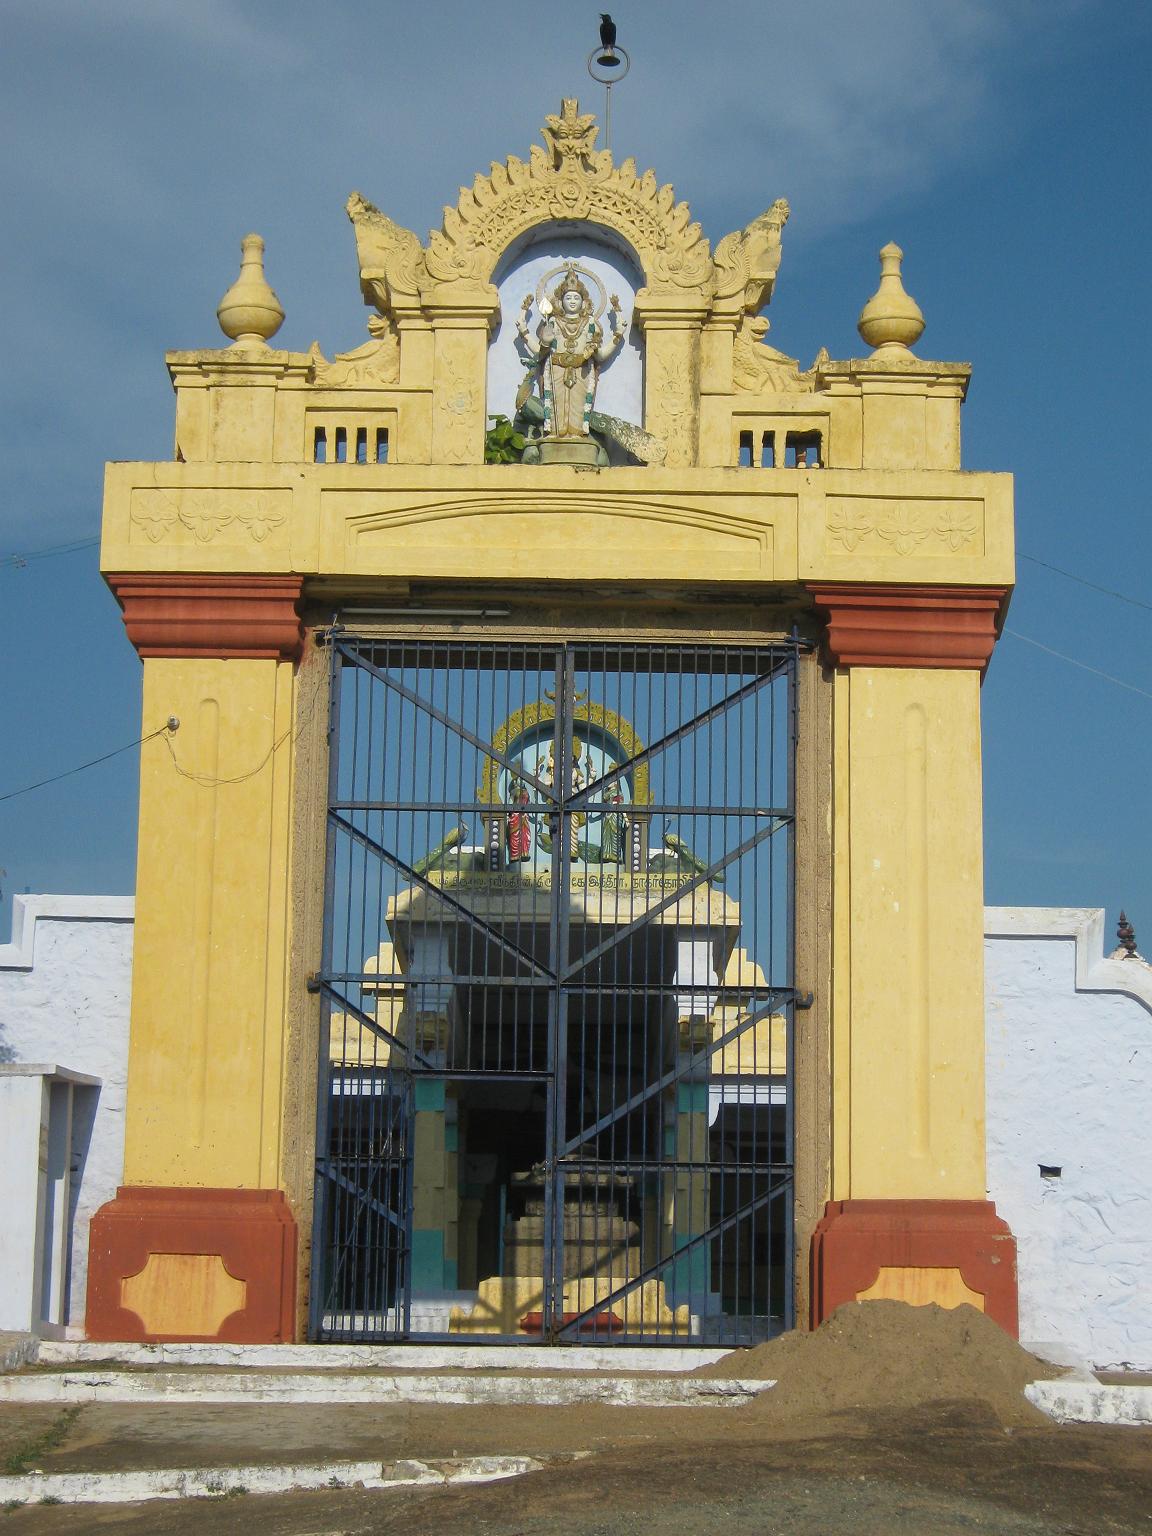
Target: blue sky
(1003, 143)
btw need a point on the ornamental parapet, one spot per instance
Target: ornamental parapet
(730, 527)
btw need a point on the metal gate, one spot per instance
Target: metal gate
(556, 1066)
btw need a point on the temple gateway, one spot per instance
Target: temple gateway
(559, 908)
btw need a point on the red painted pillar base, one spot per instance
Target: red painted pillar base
(856, 1239)
(195, 1264)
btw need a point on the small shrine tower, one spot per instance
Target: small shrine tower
(559, 904)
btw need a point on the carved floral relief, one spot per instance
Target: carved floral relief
(206, 514)
(904, 527)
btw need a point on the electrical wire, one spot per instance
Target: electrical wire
(80, 767)
(1083, 665)
(1071, 576)
(203, 779)
(211, 781)
(14, 562)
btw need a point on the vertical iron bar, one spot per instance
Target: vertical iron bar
(790, 1067)
(557, 964)
(324, 1097)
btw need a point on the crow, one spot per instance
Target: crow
(607, 31)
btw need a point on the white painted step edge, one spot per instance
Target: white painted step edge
(662, 1359)
(224, 1482)
(1073, 1401)
(324, 1387)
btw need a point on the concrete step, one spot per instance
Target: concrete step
(1073, 1400)
(658, 1360)
(135, 1487)
(196, 1385)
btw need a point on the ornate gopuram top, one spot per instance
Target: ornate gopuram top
(566, 377)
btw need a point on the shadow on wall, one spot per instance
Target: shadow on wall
(65, 982)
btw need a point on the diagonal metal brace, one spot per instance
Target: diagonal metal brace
(454, 726)
(701, 1058)
(620, 934)
(580, 801)
(573, 1325)
(366, 1021)
(366, 840)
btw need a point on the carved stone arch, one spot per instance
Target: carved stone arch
(572, 184)
(558, 231)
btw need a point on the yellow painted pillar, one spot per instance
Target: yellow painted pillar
(201, 1225)
(909, 1039)
(459, 403)
(671, 326)
(909, 1217)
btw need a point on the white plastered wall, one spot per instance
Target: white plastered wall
(1069, 1087)
(65, 982)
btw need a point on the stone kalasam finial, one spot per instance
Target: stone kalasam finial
(891, 320)
(1127, 936)
(250, 313)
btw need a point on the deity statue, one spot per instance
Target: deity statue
(546, 773)
(568, 350)
(614, 843)
(518, 833)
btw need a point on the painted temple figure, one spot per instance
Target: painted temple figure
(568, 350)
(614, 828)
(518, 833)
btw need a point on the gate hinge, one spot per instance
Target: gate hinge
(804, 1000)
(312, 981)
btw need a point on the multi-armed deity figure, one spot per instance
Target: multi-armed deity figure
(568, 350)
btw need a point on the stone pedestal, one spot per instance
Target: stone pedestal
(170, 1265)
(598, 1240)
(946, 1251)
(569, 450)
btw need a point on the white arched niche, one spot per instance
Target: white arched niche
(621, 389)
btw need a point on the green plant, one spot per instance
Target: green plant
(10, 1506)
(502, 443)
(24, 1456)
(51, 1498)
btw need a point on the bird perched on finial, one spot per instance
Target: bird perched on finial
(607, 31)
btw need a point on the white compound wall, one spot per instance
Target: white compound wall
(65, 982)
(1069, 1088)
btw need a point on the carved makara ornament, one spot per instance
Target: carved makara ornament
(377, 362)
(760, 369)
(747, 261)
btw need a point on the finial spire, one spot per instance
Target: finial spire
(1127, 936)
(891, 320)
(250, 313)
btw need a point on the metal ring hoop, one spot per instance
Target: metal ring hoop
(613, 78)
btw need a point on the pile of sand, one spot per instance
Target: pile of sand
(887, 1354)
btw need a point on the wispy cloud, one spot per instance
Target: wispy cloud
(149, 135)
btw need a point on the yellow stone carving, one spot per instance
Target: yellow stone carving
(186, 1293)
(920, 1286)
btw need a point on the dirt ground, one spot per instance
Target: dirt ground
(888, 1420)
(937, 1470)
